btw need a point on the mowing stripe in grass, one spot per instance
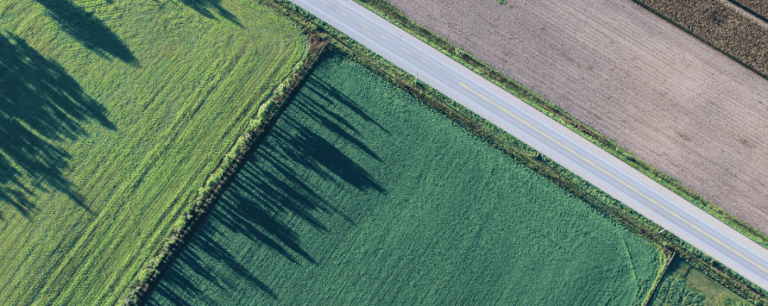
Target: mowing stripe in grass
(123, 110)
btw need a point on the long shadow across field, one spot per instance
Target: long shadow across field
(270, 186)
(89, 30)
(205, 8)
(40, 105)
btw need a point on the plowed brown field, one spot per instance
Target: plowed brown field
(678, 104)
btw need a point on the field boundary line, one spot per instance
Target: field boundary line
(560, 115)
(658, 279)
(524, 153)
(218, 181)
(761, 71)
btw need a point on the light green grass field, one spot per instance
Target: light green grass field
(684, 285)
(360, 195)
(112, 114)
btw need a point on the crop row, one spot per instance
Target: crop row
(542, 165)
(395, 16)
(355, 156)
(757, 7)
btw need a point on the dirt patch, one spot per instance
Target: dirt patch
(316, 43)
(675, 102)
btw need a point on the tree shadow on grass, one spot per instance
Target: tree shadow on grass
(205, 8)
(88, 30)
(40, 106)
(325, 90)
(224, 255)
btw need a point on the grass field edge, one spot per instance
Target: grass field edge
(663, 264)
(194, 213)
(390, 13)
(532, 159)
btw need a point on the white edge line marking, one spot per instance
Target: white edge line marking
(577, 145)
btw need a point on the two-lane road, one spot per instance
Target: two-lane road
(548, 136)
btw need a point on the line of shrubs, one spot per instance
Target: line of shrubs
(521, 152)
(395, 16)
(217, 182)
(389, 12)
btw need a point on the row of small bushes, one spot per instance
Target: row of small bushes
(395, 16)
(664, 264)
(392, 14)
(218, 181)
(526, 155)
(474, 123)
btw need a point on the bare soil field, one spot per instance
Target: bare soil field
(722, 24)
(673, 101)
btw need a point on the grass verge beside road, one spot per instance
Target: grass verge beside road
(529, 157)
(393, 15)
(361, 195)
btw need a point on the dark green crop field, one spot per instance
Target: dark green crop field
(361, 195)
(112, 115)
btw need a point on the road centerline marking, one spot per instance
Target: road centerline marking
(345, 14)
(406, 51)
(382, 36)
(579, 146)
(364, 26)
(615, 178)
(425, 62)
(326, 3)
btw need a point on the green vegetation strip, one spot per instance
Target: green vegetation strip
(361, 195)
(685, 285)
(398, 18)
(541, 164)
(220, 179)
(113, 115)
(666, 260)
(720, 26)
(389, 12)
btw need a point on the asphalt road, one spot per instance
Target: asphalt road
(548, 136)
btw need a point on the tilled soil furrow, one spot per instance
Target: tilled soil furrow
(673, 101)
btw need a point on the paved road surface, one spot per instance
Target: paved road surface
(548, 136)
